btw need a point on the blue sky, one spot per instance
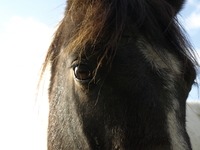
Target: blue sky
(191, 16)
(41, 10)
(26, 28)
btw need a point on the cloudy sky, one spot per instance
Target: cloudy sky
(26, 28)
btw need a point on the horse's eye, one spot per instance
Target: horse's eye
(82, 72)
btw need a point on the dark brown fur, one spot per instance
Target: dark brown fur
(95, 30)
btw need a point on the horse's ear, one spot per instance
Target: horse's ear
(176, 4)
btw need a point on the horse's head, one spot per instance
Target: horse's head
(121, 71)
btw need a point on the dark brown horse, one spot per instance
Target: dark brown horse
(121, 71)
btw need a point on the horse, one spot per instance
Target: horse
(121, 71)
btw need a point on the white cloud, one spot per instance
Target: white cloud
(24, 40)
(193, 21)
(24, 43)
(193, 2)
(190, 1)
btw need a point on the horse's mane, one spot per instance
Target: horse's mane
(89, 23)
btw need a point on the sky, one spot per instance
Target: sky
(26, 29)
